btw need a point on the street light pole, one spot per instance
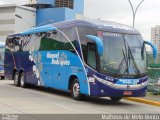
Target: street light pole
(20, 17)
(134, 12)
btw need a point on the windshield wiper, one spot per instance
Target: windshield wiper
(125, 58)
(128, 56)
(122, 62)
(133, 60)
(142, 51)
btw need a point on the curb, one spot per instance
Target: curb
(143, 101)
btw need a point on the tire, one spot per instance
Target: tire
(115, 99)
(22, 80)
(16, 79)
(2, 77)
(75, 90)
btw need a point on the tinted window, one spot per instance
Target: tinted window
(91, 55)
(83, 31)
(57, 41)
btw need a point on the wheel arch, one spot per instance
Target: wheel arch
(13, 73)
(71, 79)
(21, 71)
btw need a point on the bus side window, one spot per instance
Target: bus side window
(84, 50)
(91, 55)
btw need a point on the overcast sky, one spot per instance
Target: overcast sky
(147, 16)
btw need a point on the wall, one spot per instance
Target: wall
(55, 14)
(69, 14)
(28, 21)
(60, 13)
(9, 24)
(79, 6)
(7, 21)
(46, 1)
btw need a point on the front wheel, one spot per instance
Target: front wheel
(2, 77)
(115, 99)
(75, 90)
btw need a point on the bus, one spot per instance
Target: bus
(84, 57)
(2, 48)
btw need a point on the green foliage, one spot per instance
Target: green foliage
(153, 71)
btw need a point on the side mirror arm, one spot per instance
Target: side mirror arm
(154, 48)
(98, 42)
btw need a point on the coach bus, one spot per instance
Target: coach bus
(84, 57)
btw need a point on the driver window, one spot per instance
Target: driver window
(91, 55)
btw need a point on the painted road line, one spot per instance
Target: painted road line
(150, 102)
(62, 106)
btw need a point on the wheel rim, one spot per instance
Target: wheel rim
(22, 80)
(76, 89)
(16, 79)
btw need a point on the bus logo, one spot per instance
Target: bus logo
(59, 59)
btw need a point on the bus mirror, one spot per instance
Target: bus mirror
(154, 48)
(98, 42)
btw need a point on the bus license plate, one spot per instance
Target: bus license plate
(127, 92)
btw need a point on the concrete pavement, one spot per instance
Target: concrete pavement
(37, 100)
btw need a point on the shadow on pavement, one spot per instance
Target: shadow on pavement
(105, 101)
(91, 100)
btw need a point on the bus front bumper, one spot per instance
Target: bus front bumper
(103, 88)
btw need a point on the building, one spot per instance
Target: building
(56, 10)
(155, 36)
(10, 24)
(14, 19)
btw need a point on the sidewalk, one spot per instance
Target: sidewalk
(148, 99)
(152, 97)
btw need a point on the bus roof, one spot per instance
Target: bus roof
(45, 28)
(107, 26)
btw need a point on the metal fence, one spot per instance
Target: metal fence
(153, 70)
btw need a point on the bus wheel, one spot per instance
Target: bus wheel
(2, 77)
(116, 99)
(22, 80)
(75, 90)
(16, 80)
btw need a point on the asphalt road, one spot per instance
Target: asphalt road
(36, 100)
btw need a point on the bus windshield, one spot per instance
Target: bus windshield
(123, 54)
